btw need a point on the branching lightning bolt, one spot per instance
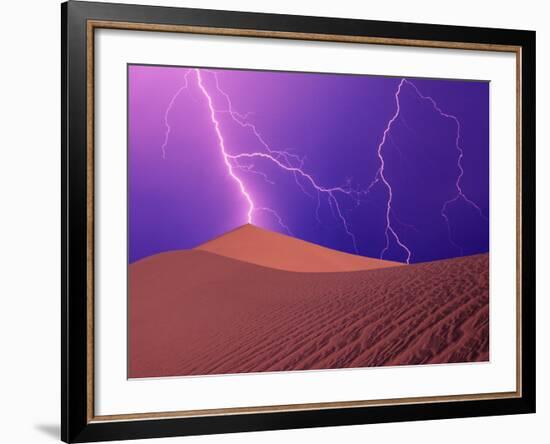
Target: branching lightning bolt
(459, 192)
(168, 128)
(330, 192)
(284, 160)
(389, 230)
(277, 217)
(221, 143)
(240, 119)
(380, 177)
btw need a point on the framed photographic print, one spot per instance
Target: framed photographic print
(276, 221)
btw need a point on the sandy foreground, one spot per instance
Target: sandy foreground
(195, 312)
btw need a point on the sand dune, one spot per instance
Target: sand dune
(197, 313)
(262, 247)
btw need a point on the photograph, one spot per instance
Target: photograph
(290, 221)
(275, 220)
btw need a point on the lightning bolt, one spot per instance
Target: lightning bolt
(241, 120)
(277, 218)
(380, 177)
(330, 192)
(221, 144)
(460, 195)
(284, 160)
(167, 126)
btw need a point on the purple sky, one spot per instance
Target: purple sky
(323, 184)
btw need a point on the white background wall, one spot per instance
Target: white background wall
(30, 208)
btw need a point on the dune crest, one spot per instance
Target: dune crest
(278, 251)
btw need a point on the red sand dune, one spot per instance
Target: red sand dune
(262, 247)
(196, 313)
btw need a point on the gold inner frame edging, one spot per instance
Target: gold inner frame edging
(95, 24)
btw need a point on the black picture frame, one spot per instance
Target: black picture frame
(77, 425)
